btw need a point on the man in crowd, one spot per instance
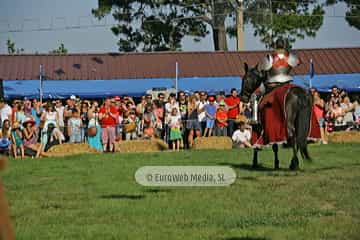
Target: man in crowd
(107, 116)
(68, 111)
(201, 110)
(233, 107)
(241, 137)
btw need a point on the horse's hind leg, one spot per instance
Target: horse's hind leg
(275, 149)
(255, 158)
(294, 165)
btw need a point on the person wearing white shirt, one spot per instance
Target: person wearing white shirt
(201, 110)
(241, 137)
(5, 111)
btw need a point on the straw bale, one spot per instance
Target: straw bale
(213, 143)
(344, 136)
(67, 149)
(146, 145)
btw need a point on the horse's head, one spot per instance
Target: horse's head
(250, 82)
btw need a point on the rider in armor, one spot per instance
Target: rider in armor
(278, 65)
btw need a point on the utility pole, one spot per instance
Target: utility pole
(239, 6)
(240, 26)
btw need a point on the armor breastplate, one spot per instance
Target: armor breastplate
(279, 65)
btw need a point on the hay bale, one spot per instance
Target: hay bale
(133, 146)
(344, 137)
(68, 149)
(213, 143)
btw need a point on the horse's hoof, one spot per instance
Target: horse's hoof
(294, 167)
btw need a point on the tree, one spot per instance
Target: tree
(290, 20)
(60, 50)
(12, 49)
(161, 25)
(352, 15)
(152, 25)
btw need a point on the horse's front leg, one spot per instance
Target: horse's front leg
(275, 149)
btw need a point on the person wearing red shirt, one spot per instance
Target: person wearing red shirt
(108, 115)
(233, 106)
(221, 120)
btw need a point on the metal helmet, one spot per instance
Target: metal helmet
(280, 43)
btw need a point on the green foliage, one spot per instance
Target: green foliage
(152, 25)
(352, 15)
(12, 49)
(290, 20)
(61, 50)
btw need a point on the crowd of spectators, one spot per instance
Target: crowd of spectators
(336, 111)
(30, 127)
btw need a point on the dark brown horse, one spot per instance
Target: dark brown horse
(298, 107)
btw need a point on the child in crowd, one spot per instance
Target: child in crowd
(74, 127)
(148, 122)
(174, 123)
(130, 123)
(16, 139)
(210, 111)
(221, 120)
(242, 136)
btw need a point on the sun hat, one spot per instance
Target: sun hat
(73, 97)
(28, 120)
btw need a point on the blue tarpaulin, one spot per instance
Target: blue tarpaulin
(137, 87)
(104, 88)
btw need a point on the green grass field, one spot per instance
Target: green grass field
(96, 197)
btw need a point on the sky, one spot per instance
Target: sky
(19, 19)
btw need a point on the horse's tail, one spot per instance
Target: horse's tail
(303, 124)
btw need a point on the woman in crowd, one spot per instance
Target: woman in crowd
(75, 127)
(29, 132)
(50, 116)
(192, 124)
(94, 128)
(20, 113)
(16, 140)
(319, 109)
(5, 137)
(159, 116)
(84, 119)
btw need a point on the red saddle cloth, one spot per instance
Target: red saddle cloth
(273, 118)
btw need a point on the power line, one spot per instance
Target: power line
(105, 23)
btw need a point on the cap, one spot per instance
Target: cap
(222, 103)
(117, 98)
(73, 97)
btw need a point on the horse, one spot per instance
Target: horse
(298, 109)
